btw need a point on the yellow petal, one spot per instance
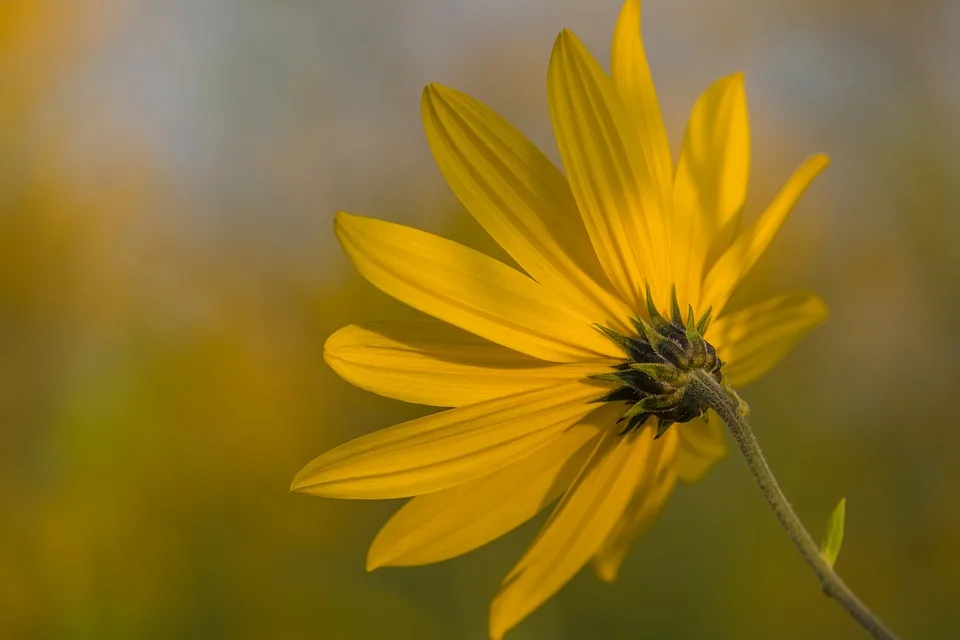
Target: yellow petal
(583, 519)
(631, 73)
(436, 364)
(752, 340)
(714, 165)
(702, 444)
(519, 197)
(737, 261)
(607, 171)
(711, 181)
(651, 492)
(449, 523)
(445, 449)
(467, 289)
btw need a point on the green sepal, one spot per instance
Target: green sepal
(704, 321)
(658, 321)
(620, 394)
(648, 333)
(662, 373)
(675, 315)
(651, 404)
(664, 346)
(614, 377)
(660, 402)
(698, 348)
(833, 538)
(662, 426)
(634, 422)
(622, 342)
(634, 410)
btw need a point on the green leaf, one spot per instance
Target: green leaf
(830, 547)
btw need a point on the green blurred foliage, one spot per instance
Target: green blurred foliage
(162, 375)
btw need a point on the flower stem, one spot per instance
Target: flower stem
(731, 410)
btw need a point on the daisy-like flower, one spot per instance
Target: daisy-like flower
(564, 379)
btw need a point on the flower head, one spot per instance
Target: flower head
(561, 380)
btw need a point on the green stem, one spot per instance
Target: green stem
(731, 410)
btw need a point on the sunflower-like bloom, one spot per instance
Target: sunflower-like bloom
(549, 372)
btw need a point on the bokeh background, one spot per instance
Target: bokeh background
(168, 275)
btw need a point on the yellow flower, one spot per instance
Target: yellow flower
(513, 352)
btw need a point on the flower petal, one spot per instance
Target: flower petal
(702, 445)
(434, 363)
(631, 73)
(754, 339)
(467, 289)
(445, 449)
(449, 523)
(651, 492)
(607, 171)
(584, 518)
(737, 261)
(711, 181)
(519, 197)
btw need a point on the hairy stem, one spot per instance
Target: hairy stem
(729, 407)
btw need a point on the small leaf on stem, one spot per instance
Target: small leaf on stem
(830, 547)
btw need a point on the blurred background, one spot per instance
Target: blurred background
(168, 275)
